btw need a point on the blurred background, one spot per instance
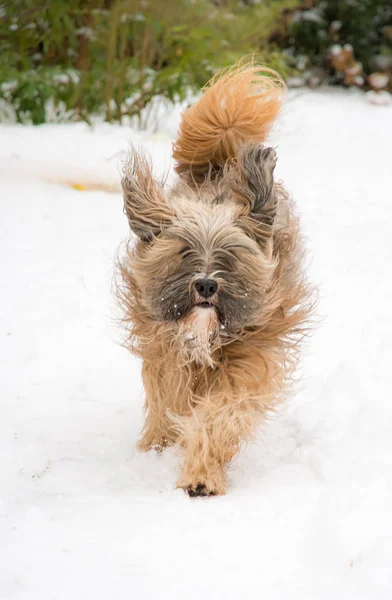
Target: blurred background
(75, 60)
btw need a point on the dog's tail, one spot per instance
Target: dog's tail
(238, 105)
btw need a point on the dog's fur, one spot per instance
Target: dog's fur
(212, 374)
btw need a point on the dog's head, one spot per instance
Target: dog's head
(204, 258)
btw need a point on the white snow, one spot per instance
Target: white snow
(82, 513)
(383, 97)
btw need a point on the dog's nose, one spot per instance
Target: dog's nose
(206, 287)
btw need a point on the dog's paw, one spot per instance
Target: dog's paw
(199, 490)
(153, 443)
(203, 485)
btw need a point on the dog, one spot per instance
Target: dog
(214, 293)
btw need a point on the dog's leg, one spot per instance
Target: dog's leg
(156, 433)
(167, 394)
(210, 438)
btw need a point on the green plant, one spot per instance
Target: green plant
(350, 39)
(75, 59)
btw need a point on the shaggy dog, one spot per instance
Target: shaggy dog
(214, 296)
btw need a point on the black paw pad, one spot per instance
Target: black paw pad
(199, 490)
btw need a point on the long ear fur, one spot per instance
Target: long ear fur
(144, 199)
(251, 179)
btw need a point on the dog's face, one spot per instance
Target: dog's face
(204, 260)
(204, 263)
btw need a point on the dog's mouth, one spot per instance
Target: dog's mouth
(205, 304)
(210, 304)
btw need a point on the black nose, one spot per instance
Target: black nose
(206, 287)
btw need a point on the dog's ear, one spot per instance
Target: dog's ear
(251, 180)
(144, 199)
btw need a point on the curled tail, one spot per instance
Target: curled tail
(237, 106)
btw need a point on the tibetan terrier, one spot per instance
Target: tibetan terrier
(215, 298)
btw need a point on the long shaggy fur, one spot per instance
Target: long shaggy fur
(212, 373)
(238, 105)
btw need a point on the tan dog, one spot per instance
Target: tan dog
(213, 291)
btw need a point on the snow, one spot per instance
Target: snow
(381, 97)
(82, 513)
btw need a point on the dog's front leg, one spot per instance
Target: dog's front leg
(210, 437)
(158, 431)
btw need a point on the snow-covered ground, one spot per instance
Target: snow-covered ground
(82, 513)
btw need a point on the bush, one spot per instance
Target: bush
(75, 59)
(351, 41)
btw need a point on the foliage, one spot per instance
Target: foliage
(73, 59)
(350, 39)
